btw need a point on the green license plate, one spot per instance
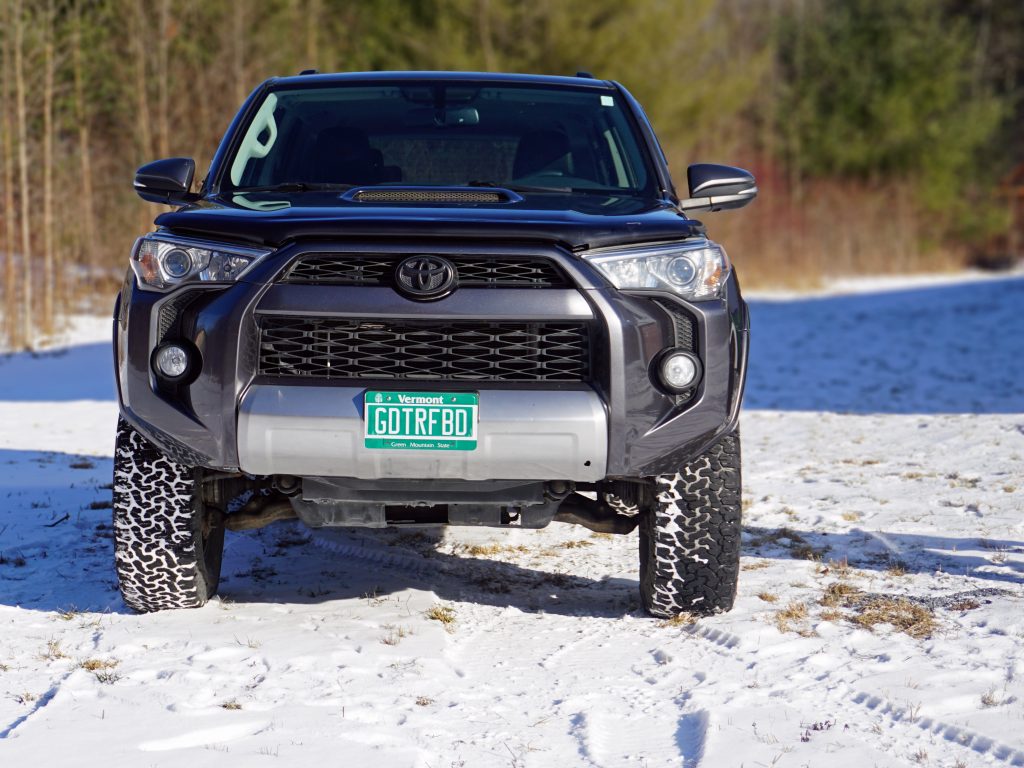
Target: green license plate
(430, 421)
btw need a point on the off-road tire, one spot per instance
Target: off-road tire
(690, 536)
(167, 548)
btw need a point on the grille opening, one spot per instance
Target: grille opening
(345, 348)
(473, 271)
(685, 328)
(428, 196)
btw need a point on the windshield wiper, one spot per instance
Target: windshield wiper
(294, 186)
(526, 189)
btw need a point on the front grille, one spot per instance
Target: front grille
(344, 348)
(473, 271)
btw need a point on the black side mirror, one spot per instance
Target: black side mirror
(718, 187)
(167, 181)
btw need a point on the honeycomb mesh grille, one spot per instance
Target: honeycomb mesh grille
(683, 323)
(172, 310)
(344, 348)
(473, 271)
(428, 196)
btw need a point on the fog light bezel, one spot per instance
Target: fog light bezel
(663, 358)
(191, 362)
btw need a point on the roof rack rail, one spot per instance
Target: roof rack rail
(581, 73)
(310, 72)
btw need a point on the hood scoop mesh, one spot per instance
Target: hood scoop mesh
(450, 195)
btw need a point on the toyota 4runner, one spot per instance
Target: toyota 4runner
(415, 298)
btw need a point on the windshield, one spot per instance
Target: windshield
(540, 139)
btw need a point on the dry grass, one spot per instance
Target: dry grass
(394, 634)
(768, 597)
(838, 568)
(839, 594)
(682, 620)
(757, 565)
(424, 701)
(851, 517)
(797, 545)
(795, 611)
(96, 665)
(991, 699)
(896, 569)
(443, 614)
(576, 544)
(964, 604)
(902, 614)
(53, 651)
(831, 614)
(231, 705)
(484, 550)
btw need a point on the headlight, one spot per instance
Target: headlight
(161, 262)
(695, 269)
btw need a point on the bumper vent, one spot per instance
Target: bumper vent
(683, 323)
(473, 271)
(172, 310)
(342, 348)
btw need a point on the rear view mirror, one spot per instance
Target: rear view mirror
(718, 188)
(442, 118)
(167, 181)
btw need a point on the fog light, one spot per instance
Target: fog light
(680, 370)
(172, 361)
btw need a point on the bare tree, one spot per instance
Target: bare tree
(10, 288)
(144, 133)
(162, 79)
(23, 185)
(87, 240)
(49, 274)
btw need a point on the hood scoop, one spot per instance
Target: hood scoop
(431, 195)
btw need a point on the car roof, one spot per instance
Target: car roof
(484, 77)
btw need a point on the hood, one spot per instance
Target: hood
(576, 222)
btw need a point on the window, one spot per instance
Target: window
(558, 139)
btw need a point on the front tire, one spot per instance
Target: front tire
(168, 546)
(690, 536)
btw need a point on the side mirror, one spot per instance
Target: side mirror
(167, 181)
(718, 187)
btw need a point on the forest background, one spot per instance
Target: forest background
(884, 133)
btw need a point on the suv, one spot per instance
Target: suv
(432, 298)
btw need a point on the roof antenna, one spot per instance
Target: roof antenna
(587, 75)
(310, 72)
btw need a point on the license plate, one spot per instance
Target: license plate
(425, 421)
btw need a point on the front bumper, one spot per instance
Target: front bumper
(231, 418)
(318, 430)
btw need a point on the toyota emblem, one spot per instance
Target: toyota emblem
(425, 278)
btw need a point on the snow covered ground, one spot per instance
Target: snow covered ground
(883, 446)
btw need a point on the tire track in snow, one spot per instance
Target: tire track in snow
(970, 740)
(39, 705)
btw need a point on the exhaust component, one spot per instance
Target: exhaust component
(258, 512)
(595, 515)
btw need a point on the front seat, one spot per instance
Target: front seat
(343, 155)
(543, 152)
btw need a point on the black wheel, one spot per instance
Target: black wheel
(168, 545)
(690, 536)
